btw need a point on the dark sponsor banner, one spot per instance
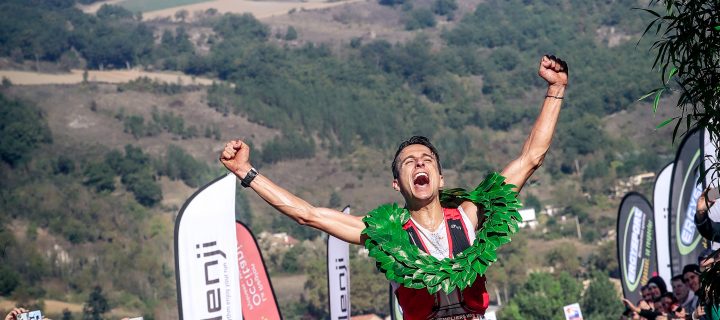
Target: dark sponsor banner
(205, 254)
(338, 255)
(636, 244)
(685, 242)
(661, 207)
(258, 297)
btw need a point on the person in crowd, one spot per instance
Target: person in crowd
(12, 315)
(708, 307)
(15, 312)
(657, 287)
(687, 298)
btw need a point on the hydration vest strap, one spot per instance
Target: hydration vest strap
(415, 237)
(457, 233)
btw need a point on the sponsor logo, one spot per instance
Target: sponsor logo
(635, 264)
(215, 267)
(342, 274)
(687, 234)
(686, 238)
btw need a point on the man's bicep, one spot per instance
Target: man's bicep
(517, 173)
(340, 225)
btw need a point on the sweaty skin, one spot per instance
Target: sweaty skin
(419, 181)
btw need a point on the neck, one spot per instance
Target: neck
(428, 216)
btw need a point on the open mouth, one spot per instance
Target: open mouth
(421, 179)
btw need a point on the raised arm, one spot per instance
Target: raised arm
(236, 158)
(555, 72)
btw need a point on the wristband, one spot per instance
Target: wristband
(556, 97)
(249, 177)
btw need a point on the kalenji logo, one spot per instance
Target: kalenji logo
(687, 235)
(635, 254)
(214, 271)
(343, 282)
(253, 288)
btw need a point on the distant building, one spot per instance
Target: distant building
(626, 185)
(529, 218)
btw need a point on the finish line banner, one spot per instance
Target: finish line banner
(636, 244)
(338, 252)
(206, 267)
(258, 297)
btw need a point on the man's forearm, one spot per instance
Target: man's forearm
(538, 141)
(345, 227)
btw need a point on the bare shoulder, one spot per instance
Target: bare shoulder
(473, 212)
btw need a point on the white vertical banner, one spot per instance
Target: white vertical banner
(338, 253)
(661, 209)
(206, 266)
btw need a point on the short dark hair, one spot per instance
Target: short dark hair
(414, 140)
(678, 278)
(691, 268)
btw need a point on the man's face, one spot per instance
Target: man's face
(680, 290)
(419, 178)
(692, 280)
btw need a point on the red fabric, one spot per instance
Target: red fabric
(417, 304)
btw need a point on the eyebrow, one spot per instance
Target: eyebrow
(425, 154)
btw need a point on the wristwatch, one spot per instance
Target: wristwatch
(249, 177)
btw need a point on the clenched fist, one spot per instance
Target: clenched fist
(236, 157)
(553, 70)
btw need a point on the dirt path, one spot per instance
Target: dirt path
(259, 9)
(109, 76)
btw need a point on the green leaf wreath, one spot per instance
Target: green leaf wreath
(404, 263)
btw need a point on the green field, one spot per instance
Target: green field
(145, 6)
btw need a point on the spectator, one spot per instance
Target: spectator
(686, 298)
(709, 306)
(691, 275)
(657, 287)
(12, 315)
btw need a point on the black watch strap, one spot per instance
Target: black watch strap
(249, 177)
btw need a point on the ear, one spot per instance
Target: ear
(442, 182)
(396, 185)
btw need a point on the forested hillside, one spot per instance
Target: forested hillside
(93, 174)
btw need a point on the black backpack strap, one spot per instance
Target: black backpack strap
(458, 234)
(415, 237)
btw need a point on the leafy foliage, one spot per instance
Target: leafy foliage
(23, 130)
(601, 299)
(543, 297)
(96, 305)
(419, 19)
(687, 37)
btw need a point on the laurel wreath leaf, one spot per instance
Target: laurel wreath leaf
(404, 263)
